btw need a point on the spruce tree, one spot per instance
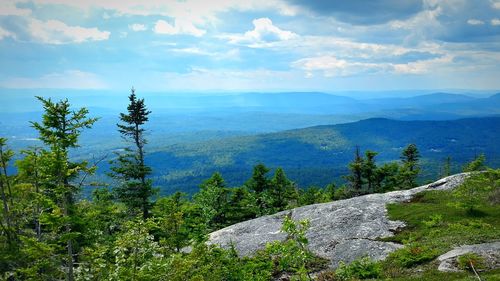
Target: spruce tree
(136, 189)
(282, 190)
(260, 184)
(410, 170)
(369, 169)
(356, 177)
(59, 130)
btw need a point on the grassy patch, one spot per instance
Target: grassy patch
(434, 226)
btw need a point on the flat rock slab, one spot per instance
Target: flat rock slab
(342, 230)
(489, 251)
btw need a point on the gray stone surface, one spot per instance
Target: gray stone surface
(489, 251)
(342, 230)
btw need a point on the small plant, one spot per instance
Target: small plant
(433, 221)
(363, 268)
(413, 254)
(471, 262)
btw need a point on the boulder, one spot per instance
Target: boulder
(490, 252)
(342, 230)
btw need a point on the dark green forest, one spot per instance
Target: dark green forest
(126, 229)
(319, 155)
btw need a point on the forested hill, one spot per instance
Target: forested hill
(319, 155)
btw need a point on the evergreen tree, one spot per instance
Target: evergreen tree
(5, 190)
(242, 205)
(213, 200)
(59, 130)
(387, 177)
(476, 165)
(170, 216)
(259, 183)
(282, 190)
(410, 170)
(447, 167)
(135, 190)
(369, 169)
(356, 177)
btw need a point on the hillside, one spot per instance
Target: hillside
(317, 155)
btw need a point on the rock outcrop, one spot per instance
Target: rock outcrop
(342, 230)
(490, 252)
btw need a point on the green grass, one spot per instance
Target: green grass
(433, 228)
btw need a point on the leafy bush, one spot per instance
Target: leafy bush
(470, 260)
(363, 268)
(433, 221)
(413, 254)
(476, 189)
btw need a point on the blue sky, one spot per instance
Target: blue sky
(254, 45)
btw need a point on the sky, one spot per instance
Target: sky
(252, 45)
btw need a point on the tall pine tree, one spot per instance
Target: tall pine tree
(136, 189)
(59, 130)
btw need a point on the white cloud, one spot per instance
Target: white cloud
(8, 8)
(422, 66)
(330, 66)
(70, 79)
(198, 10)
(137, 27)
(232, 54)
(57, 32)
(216, 79)
(180, 27)
(475, 22)
(495, 22)
(4, 33)
(496, 5)
(264, 31)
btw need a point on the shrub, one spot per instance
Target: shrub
(433, 221)
(413, 254)
(363, 268)
(469, 260)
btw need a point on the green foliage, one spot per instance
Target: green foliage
(476, 188)
(363, 268)
(433, 221)
(409, 171)
(292, 256)
(369, 169)
(47, 230)
(435, 226)
(478, 164)
(171, 226)
(413, 254)
(283, 192)
(242, 205)
(135, 190)
(355, 178)
(213, 199)
(259, 181)
(471, 261)
(387, 177)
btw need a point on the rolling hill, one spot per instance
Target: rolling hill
(318, 155)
